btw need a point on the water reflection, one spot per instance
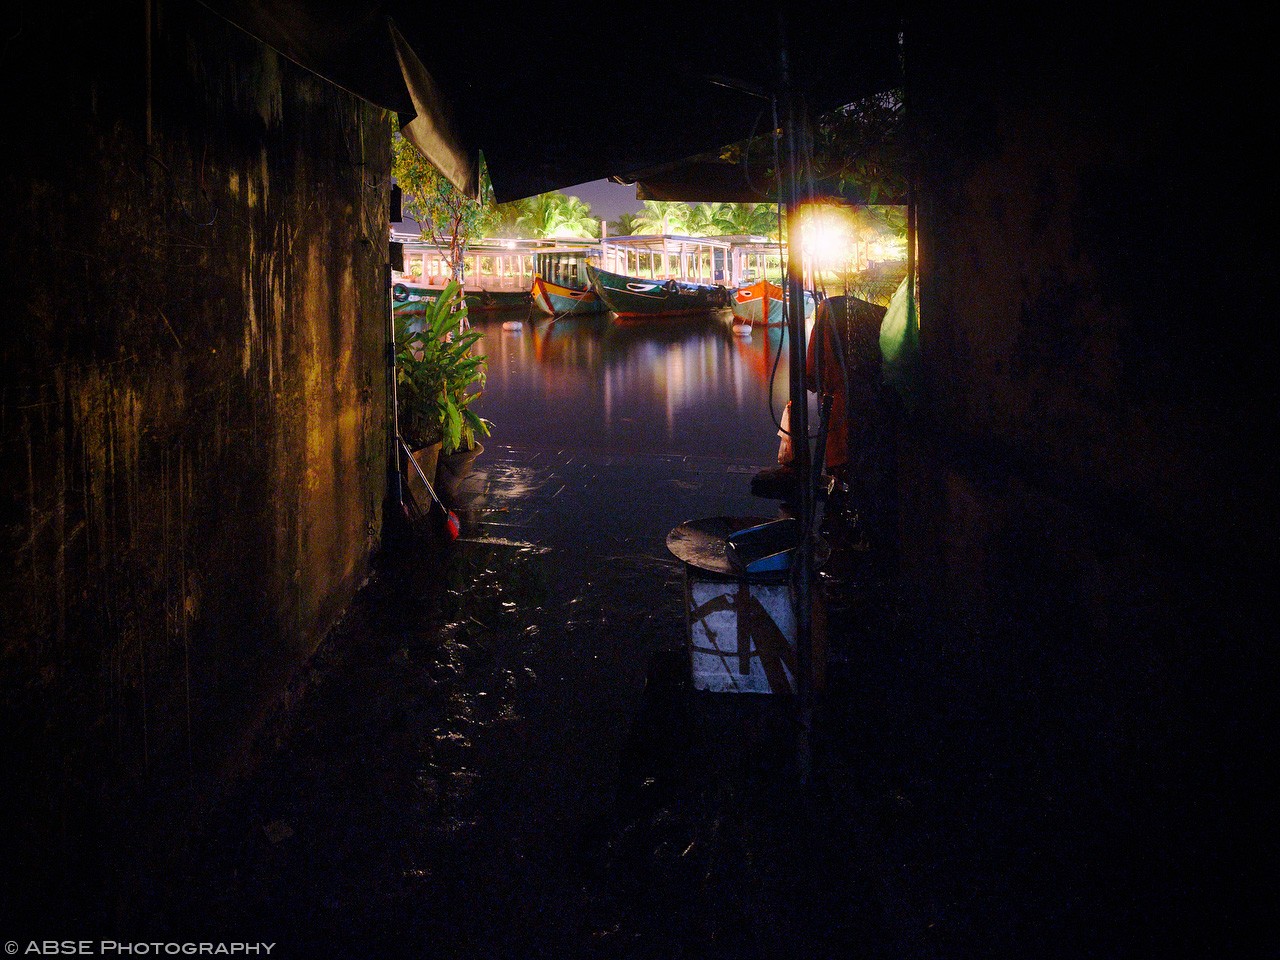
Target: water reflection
(683, 385)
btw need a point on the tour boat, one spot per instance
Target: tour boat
(560, 284)
(406, 295)
(642, 297)
(496, 275)
(685, 275)
(559, 300)
(748, 304)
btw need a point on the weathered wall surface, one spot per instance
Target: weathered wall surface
(194, 398)
(1085, 498)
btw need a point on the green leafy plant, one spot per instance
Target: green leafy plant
(450, 218)
(438, 376)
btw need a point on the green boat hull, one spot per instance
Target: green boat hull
(405, 296)
(637, 297)
(559, 300)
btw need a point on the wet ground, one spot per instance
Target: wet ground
(499, 755)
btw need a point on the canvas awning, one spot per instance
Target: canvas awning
(701, 180)
(557, 97)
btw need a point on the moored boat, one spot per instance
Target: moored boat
(750, 302)
(496, 274)
(560, 284)
(559, 300)
(661, 275)
(643, 297)
(408, 297)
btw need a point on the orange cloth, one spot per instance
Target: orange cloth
(858, 415)
(786, 452)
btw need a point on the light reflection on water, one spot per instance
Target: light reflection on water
(672, 385)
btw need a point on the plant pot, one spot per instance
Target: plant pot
(426, 458)
(452, 469)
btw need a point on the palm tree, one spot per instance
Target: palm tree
(505, 219)
(756, 219)
(711, 219)
(557, 215)
(624, 226)
(661, 217)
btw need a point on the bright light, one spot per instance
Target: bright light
(826, 236)
(568, 232)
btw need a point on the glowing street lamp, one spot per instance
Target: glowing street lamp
(826, 236)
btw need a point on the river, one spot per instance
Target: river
(673, 385)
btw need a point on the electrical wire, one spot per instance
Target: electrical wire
(819, 294)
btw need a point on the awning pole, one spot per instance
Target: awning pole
(799, 425)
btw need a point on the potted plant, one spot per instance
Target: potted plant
(433, 358)
(464, 379)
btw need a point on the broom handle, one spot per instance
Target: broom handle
(421, 473)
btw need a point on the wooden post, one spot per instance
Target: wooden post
(803, 570)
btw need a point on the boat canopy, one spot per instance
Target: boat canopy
(563, 264)
(727, 260)
(491, 264)
(669, 257)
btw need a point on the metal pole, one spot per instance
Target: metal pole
(799, 421)
(395, 479)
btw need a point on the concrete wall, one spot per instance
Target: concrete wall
(1086, 513)
(194, 398)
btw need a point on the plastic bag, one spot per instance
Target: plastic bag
(900, 347)
(786, 452)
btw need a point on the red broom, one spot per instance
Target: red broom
(452, 527)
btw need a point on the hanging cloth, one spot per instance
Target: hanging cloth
(900, 347)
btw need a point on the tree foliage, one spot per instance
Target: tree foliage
(662, 217)
(624, 225)
(860, 149)
(756, 219)
(448, 217)
(863, 146)
(710, 219)
(699, 220)
(556, 215)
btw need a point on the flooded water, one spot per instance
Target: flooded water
(495, 759)
(672, 385)
(499, 755)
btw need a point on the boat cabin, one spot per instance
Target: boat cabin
(565, 263)
(701, 260)
(489, 265)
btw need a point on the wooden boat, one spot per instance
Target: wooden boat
(748, 303)
(640, 297)
(559, 300)
(685, 275)
(560, 284)
(408, 298)
(496, 272)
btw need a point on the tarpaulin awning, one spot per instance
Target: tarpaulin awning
(358, 46)
(557, 97)
(701, 180)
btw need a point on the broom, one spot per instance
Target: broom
(450, 525)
